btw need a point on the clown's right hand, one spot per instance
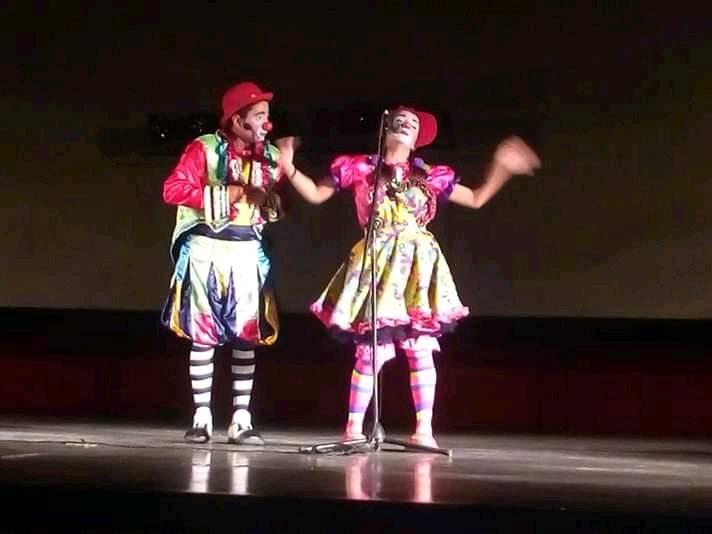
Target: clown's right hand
(235, 192)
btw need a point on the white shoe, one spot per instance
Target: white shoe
(202, 430)
(240, 431)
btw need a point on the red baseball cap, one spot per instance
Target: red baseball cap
(240, 96)
(428, 130)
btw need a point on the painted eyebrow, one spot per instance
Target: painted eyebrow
(406, 117)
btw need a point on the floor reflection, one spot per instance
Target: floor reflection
(365, 481)
(200, 471)
(239, 465)
(203, 464)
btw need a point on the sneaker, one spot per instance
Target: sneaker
(202, 429)
(237, 435)
(426, 440)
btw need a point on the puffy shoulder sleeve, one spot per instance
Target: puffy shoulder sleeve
(441, 179)
(347, 170)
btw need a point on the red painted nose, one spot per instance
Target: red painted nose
(267, 126)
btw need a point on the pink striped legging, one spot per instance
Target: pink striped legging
(423, 378)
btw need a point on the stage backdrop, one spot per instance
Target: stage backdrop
(617, 224)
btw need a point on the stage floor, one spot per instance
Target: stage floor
(589, 481)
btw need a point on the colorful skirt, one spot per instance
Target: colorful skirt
(416, 294)
(220, 293)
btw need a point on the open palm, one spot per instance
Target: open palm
(516, 156)
(286, 146)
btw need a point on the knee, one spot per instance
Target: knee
(364, 361)
(420, 345)
(243, 346)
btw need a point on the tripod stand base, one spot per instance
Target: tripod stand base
(364, 445)
(342, 447)
(417, 447)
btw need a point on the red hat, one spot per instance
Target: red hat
(239, 96)
(428, 130)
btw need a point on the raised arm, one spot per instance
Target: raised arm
(312, 191)
(512, 156)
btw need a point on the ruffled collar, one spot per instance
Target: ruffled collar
(225, 150)
(416, 162)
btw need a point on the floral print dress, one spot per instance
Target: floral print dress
(416, 294)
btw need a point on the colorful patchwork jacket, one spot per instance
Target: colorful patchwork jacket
(198, 187)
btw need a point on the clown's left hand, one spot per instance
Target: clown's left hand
(516, 157)
(287, 146)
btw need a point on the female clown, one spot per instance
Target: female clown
(417, 300)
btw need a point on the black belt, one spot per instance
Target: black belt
(229, 233)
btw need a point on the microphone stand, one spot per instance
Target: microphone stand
(377, 436)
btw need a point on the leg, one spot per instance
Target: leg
(423, 379)
(201, 380)
(240, 430)
(362, 386)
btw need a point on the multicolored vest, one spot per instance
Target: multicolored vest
(222, 170)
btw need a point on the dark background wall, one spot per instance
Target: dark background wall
(566, 376)
(589, 283)
(617, 103)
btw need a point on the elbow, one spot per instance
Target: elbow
(475, 202)
(173, 196)
(316, 199)
(168, 196)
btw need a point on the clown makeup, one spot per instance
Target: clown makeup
(253, 125)
(404, 128)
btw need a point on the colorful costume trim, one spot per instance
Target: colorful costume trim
(221, 290)
(415, 289)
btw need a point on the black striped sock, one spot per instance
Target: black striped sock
(201, 374)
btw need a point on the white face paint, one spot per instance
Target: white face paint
(404, 128)
(257, 117)
(251, 128)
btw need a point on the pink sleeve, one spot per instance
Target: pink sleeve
(442, 180)
(347, 170)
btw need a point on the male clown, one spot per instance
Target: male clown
(220, 291)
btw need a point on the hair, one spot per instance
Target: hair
(226, 128)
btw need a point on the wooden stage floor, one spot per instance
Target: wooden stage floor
(91, 476)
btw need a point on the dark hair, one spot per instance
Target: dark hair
(226, 128)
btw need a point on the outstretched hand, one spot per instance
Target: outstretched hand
(287, 146)
(516, 156)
